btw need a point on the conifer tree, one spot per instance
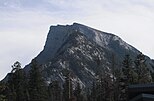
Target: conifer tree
(68, 89)
(105, 88)
(128, 77)
(20, 84)
(152, 75)
(101, 89)
(17, 84)
(55, 91)
(16, 66)
(128, 71)
(11, 94)
(3, 95)
(116, 73)
(144, 75)
(93, 91)
(78, 92)
(88, 95)
(37, 85)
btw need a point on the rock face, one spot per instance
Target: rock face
(83, 51)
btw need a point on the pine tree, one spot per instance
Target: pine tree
(104, 88)
(20, 83)
(101, 89)
(144, 75)
(11, 94)
(68, 89)
(152, 75)
(78, 92)
(93, 91)
(37, 85)
(128, 71)
(116, 73)
(55, 91)
(17, 84)
(16, 66)
(3, 95)
(88, 95)
(127, 78)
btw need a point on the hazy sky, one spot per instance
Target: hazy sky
(24, 24)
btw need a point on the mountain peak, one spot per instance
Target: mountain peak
(75, 23)
(78, 24)
(84, 50)
(59, 34)
(67, 25)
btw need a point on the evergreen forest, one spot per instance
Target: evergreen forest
(31, 86)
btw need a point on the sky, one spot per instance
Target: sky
(24, 24)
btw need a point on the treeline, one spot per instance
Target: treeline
(108, 86)
(113, 85)
(32, 87)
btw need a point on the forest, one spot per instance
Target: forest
(31, 86)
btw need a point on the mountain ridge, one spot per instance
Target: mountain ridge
(82, 28)
(84, 51)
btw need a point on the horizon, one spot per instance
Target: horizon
(28, 23)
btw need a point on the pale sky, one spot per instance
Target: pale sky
(24, 24)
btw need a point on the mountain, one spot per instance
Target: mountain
(84, 52)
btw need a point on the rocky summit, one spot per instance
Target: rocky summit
(84, 52)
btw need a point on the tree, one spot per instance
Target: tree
(128, 71)
(68, 89)
(37, 85)
(3, 95)
(143, 72)
(93, 91)
(11, 94)
(55, 91)
(20, 84)
(17, 84)
(116, 74)
(152, 75)
(88, 95)
(16, 66)
(104, 88)
(116, 84)
(78, 92)
(128, 77)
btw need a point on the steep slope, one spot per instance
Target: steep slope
(81, 56)
(84, 51)
(59, 34)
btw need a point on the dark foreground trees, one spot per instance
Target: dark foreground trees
(142, 71)
(55, 91)
(110, 85)
(36, 86)
(17, 84)
(25, 88)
